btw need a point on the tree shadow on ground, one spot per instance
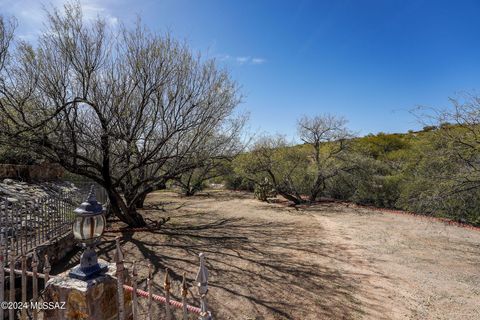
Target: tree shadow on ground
(269, 266)
(258, 269)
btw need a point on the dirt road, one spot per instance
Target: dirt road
(330, 261)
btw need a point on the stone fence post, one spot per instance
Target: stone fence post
(90, 299)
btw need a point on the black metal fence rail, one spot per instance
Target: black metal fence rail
(28, 223)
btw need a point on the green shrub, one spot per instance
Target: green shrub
(237, 182)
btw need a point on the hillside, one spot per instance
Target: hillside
(427, 171)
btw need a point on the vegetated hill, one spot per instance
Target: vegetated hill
(421, 171)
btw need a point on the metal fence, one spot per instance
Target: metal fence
(7, 293)
(28, 223)
(201, 282)
(8, 265)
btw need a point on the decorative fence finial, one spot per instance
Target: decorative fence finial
(120, 279)
(149, 286)
(202, 286)
(92, 197)
(166, 286)
(47, 268)
(202, 276)
(2, 276)
(35, 282)
(184, 297)
(134, 292)
(166, 282)
(118, 252)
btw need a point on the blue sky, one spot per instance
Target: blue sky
(370, 61)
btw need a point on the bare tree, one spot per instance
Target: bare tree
(128, 109)
(459, 135)
(274, 163)
(193, 180)
(328, 136)
(7, 29)
(212, 161)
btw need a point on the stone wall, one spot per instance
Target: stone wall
(36, 172)
(56, 249)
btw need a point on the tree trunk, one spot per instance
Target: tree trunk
(191, 190)
(137, 218)
(317, 187)
(189, 193)
(314, 194)
(286, 195)
(290, 197)
(129, 215)
(139, 203)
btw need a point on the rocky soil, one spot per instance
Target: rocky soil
(23, 191)
(26, 205)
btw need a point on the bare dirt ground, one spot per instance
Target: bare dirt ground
(329, 261)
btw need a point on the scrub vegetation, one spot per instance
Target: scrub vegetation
(435, 171)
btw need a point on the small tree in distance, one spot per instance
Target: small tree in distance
(273, 161)
(213, 160)
(296, 171)
(327, 135)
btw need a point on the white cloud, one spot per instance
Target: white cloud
(223, 57)
(30, 14)
(240, 60)
(258, 60)
(94, 10)
(112, 20)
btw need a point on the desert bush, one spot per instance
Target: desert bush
(441, 178)
(264, 190)
(282, 165)
(236, 182)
